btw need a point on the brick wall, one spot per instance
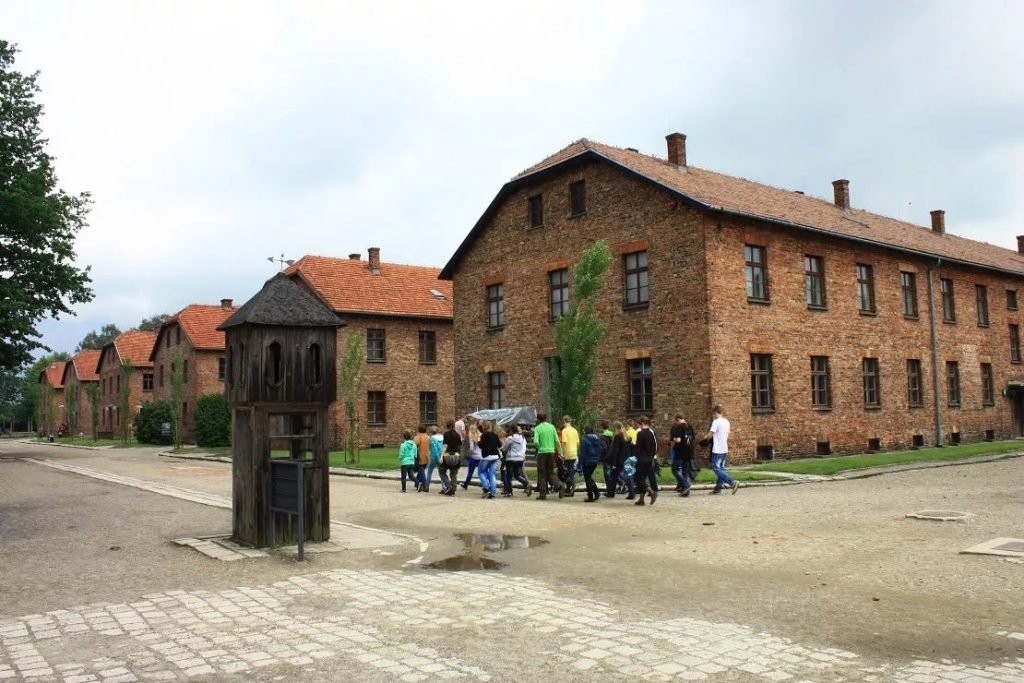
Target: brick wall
(83, 427)
(401, 376)
(202, 377)
(110, 369)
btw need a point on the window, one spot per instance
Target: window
(536, 208)
(376, 408)
(184, 372)
(147, 381)
(1011, 299)
(908, 282)
(496, 389)
(814, 281)
(177, 334)
(981, 298)
(167, 340)
(316, 365)
(636, 278)
(821, 382)
(374, 346)
(948, 302)
(578, 198)
(1014, 343)
(914, 397)
(757, 272)
(118, 380)
(953, 383)
(641, 386)
(428, 407)
(872, 394)
(495, 306)
(988, 392)
(761, 382)
(161, 375)
(559, 280)
(428, 347)
(865, 288)
(184, 409)
(222, 366)
(273, 367)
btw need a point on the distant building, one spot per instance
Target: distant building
(403, 315)
(79, 374)
(134, 346)
(51, 398)
(192, 333)
(819, 327)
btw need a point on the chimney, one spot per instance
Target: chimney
(676, 149)
(1020, 244)
(353, 257)
(226, 304)
(939, 222)
(374, 253)
(842, 190)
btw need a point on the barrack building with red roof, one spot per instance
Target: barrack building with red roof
(79, 374)
(133, 346)
(819, 327)
(51, 398)
(190, 335)
(403, 315)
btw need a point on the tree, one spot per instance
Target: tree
(31, 390)
(71, 407)
(98, 339)
(577, 336)
(152, 323)
(350, 383)
(177, 384)
(124, 413)
(38, 223)
(92, 390)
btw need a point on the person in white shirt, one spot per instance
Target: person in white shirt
(719, 435)
(515, 455)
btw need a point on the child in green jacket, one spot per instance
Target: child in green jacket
(407, 458)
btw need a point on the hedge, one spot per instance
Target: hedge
(213, 421)
(151, 416)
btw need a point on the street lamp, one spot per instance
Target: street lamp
(282, 260)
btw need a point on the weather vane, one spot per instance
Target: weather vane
(281, 260)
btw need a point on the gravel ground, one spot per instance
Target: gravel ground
(832, 564)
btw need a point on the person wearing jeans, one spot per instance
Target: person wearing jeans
(515, 456)
(473, 461)
(591, 449)
(682, 437)
(489, 445)
(436, 447)
(718, 432)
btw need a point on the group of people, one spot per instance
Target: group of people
(627, 453)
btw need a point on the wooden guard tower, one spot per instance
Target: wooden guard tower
(280, 379)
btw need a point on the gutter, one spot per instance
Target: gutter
(936, 396)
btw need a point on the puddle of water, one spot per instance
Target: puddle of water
(477, 544)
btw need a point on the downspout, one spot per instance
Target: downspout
(936, 394)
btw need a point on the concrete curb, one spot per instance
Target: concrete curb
(32, 442)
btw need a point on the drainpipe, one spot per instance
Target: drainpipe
(936, 394)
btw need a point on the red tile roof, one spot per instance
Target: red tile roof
(719, 192)
(54, 375)
(84, 364)
(348, 286)
(199, 323)
(133, 345)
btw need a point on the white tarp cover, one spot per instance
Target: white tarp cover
(524, 415)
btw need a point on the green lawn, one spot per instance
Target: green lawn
(369, 459)
(85, 441)
(830, 466)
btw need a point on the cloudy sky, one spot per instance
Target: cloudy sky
(215, 134)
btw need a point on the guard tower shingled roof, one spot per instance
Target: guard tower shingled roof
(284, 302)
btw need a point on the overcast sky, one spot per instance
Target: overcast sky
(214, 134)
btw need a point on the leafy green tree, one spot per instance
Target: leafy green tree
(213, 421)
(97, 339)
(578, 334)
(124, 409)
(31, 389)
(177, 391)
(350, 383)
(151, 323)
(92, 390)
(71, 407)
(38, 222)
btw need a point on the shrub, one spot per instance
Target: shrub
(151, 416)
(213, 421)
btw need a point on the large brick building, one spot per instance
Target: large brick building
(134, 346)
(50, 409)
(818, 326)
(192, 333)
(79, 374)
(404, 315)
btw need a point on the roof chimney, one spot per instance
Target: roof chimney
(374, 253)
(939, 222)
(226, 304)
(353, 257)
(1020, 244)
(842, 190)
(676, 149)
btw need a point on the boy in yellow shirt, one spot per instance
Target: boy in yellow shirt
(570, 449)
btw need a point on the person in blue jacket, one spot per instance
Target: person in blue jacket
(591, 449)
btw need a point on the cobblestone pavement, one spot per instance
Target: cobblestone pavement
(364, 622)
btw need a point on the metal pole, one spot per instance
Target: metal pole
(936, 394)
(302, 509)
